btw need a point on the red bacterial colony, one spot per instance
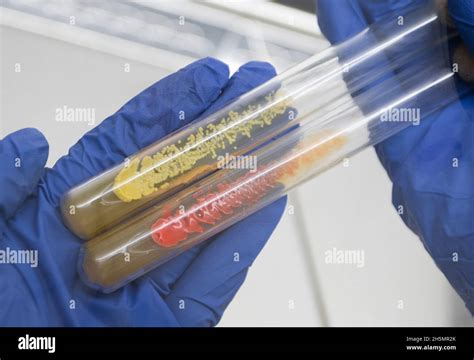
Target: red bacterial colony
(228, 197)
(214, 207)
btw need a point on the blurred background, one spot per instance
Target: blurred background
(98, 54)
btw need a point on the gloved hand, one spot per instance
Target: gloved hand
(191, 290)
(431, 165)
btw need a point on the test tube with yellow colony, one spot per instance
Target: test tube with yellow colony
(330, 128)
(378, 66)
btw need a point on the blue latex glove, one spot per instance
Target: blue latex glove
(438, 199)
(191, 290)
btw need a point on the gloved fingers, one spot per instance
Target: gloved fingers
(404, 58)
(203, 292)
(454, 13)
(341, 20)
(164, 277)
(388, 12)
(354, 21)
(375, 10)
(23, 155)
(249, 76)
(398, 69)
(337, 30)
(356, 16)
(462, 14)
(420, 181)
(155, 112)
(394, 152)
(444, 224)
(374, 70)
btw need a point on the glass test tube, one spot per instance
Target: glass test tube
(384, 73)
(307, 90)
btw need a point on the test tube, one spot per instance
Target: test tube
(397, 71)
(309, 89)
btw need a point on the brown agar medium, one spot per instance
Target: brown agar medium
(213, 204)
(160, 171)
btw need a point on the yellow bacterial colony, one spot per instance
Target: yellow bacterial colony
(142, 177)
